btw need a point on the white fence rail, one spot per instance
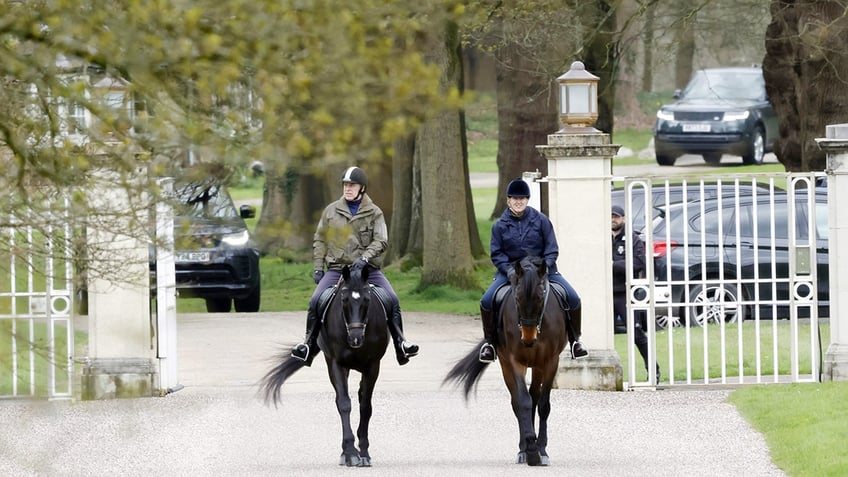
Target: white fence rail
(739, 278)
(36, 303)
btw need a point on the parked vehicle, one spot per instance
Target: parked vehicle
(662, 194)
(721, 111)
(720, 254)
(215, 256)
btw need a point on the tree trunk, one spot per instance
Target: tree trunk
(602, 60)
(804, 69)
(405, 237)
(444, 192)
(527, 113)
(684, 38)
(648, 50)
(292, 203)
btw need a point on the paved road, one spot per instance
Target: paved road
(216, 425)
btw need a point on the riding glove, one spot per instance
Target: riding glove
(360, 264)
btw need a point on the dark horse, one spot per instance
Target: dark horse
(353, 336)
(532, 335)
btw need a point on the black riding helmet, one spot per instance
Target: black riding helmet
(518, 188)
(355, 175)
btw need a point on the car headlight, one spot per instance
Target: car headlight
(665, 115)
(736, 115)
(237, 239)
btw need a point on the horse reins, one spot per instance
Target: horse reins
(544, 305)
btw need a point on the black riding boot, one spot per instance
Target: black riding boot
(307, 350)
(487, 351)
(403, 349)
(573, 325)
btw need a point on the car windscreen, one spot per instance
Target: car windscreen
(205, 200)
(708, 84)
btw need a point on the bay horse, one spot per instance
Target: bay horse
(353, 336)
(532, 334)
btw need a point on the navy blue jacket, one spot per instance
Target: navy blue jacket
(514, 238)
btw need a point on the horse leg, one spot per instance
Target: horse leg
(366, 390)
(546, 378)
(522, 407)
(338, 376)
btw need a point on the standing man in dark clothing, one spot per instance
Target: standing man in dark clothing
(619, 279)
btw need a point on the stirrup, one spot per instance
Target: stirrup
(409, 349)
(578, 351)
(487, 353)
(301, 352)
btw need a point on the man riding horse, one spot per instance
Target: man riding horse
(523, 231)
(352, 231)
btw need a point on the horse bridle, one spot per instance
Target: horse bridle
(541, 313)
(355, 294)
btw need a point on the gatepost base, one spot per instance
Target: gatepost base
(114, 378)
(600, 371)
(836, 363)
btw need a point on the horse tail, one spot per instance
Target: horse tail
(269, 385)
(467, 371)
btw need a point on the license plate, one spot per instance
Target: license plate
(191, 257)
(696, 127)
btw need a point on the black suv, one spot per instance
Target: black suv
(721, 111)
(718, 252)
(215, 256)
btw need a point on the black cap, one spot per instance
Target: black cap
(617, 210)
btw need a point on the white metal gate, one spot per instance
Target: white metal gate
(738, 282)
(36, 303)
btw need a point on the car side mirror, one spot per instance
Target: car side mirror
(247, 211)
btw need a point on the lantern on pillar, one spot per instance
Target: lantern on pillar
(578, 93)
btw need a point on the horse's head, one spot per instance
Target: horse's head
(530, 289)
(355, 296)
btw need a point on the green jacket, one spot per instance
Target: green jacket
(342, 239)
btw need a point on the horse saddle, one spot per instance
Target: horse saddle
(503, 290)
(324, 300)
(328, 294)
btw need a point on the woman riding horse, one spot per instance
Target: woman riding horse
(523, 231)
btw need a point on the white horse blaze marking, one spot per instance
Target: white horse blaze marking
(355, 295)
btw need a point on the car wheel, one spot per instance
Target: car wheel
(713, 158)
(711, 304)
(756, 149)
(249, 304)
(664, 160)
(218, 305)
(665, 321)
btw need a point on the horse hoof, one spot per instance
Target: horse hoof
(534, 459)
(546, 461)
(521, 458)
(349, 460)
(364, 462)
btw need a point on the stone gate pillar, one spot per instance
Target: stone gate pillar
(835, 144)
(121, 350)
(579, 175)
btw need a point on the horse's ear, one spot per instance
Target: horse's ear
(543, 269)
(364, 273)
(346, 273)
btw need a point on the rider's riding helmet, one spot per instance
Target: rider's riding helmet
(518, 188)
(355, 175)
